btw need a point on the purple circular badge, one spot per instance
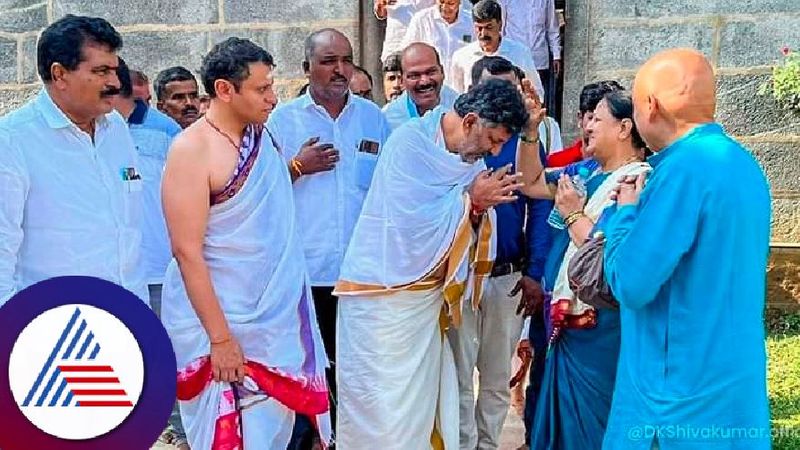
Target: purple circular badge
(87, 366)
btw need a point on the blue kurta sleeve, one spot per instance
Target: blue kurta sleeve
(645, 242)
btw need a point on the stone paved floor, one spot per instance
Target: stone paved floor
(511, 439)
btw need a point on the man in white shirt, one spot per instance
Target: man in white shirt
(487, 17)
(534, 24)
(330, 139)
(69, 177)
(446, 26)
(423, 79)
(398, 14)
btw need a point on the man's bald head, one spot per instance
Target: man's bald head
(674, 91)
(419, 51)
(325, 36)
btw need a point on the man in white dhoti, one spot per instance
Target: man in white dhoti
(424, 241)
(237, 301)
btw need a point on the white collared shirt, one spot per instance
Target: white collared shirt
(534, 24)
(398, 16)
(429, 27)
(460, 75)
(67, 208)
(328, 203)
(402, 109)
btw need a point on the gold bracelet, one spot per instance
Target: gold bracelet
(573, 217)
(528, 140)
(296, 166)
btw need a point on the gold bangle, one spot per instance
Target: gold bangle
(573, 217)
(528, 140)
(296, 166)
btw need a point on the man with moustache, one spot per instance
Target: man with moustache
(392, 77)
(487, 17)
(421, 249)
(177, 95)
(361, 83)
(447, 27)
(70, 182)
(237, 302)
(331, 140)
(423, 88)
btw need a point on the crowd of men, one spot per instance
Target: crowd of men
(343, 270)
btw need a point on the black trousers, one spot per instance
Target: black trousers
(326, 305)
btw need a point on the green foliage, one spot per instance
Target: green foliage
(784, 390)
(785, 83)
(782, 323)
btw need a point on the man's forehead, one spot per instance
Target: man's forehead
(181, 86)
(419, 57)
(332, 44)
(98, 54)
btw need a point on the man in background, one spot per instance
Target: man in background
(141, 86)
(423, 86)
(361, 83)
(392, 77)
(177, 95)
(534, 24)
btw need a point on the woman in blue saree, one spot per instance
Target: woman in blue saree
(583, 342)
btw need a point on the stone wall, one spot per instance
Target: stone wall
(611, 38)
(159, 33)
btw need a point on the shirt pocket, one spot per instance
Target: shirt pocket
(365, 168)
(132, 202)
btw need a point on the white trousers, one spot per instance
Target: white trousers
(486, 340)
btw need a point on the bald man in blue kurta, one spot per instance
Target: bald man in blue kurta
(686, 258)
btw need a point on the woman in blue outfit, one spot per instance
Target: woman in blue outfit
(583, 342)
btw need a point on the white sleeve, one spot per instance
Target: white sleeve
(14, 185)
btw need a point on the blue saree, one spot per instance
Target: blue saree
(575, 397)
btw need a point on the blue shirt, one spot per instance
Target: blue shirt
(515, 241)
(152, 132)
(153, 119)
(688, 267)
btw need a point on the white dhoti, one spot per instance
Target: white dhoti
(397, 382)
(266, 424)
